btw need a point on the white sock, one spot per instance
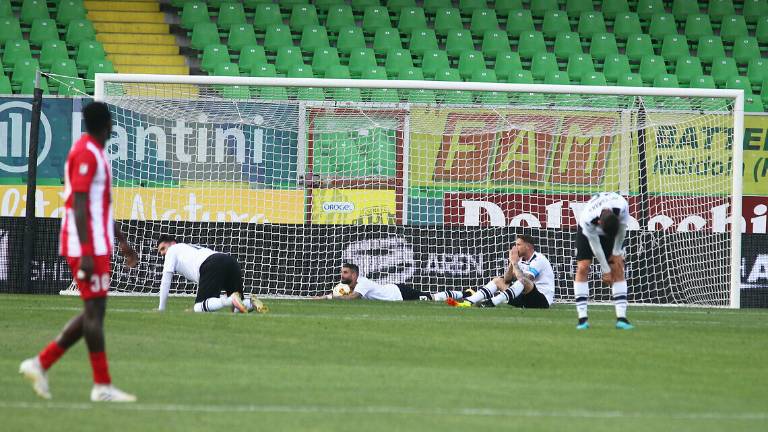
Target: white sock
(444, 295)
(500, 298)
(209, 305)
(505, 296)
(620, 298)
(517, 288)
(484, 293)
(581, 291)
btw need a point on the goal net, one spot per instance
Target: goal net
(423, 183)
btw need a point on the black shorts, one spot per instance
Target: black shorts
(410, 293)
(584, 250)
(533, 300)
(219, 272)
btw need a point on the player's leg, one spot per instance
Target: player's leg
(213, 272)
(581, 291)
(447, 294)
(619, 289)
(233, 283)
(410, 293)
(531, 298)
(509, 294)
(484, 294)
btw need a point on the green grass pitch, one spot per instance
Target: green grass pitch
(368, 366)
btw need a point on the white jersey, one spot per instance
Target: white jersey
(588, 223)
(186, 259)
(540, 271)
(375, 291)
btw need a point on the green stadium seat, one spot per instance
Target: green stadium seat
(483, 20)
(452, 96)
(494, 42)
(555, 22)
(375, 73)
(350, 38)
(346, 94)
(421, 96)
(687, 69)
(703, 81)
(557, 78)
(719, 9)
(64, 67)
(710, 48)
(43, 30)
(339, 17)
(27, 87)
(566, 44)
(278, 35)
(580, 65)
(764, 97)
(194, 12)
(739, 83)
(324, 58)
(722, 69)
(386, 39)
(411, 18)
(574, 8)
(15, 50)
(458, 41)
(203, 34)
(265, 70)
(754, 10)
(300, 70)
(272, 93)
(469, 62)
(411, 74)
(627, 24)
(507, 63)
(651, 66)
(227, 69)
(374, 18)
(540, 7)
(662, 25)
(287, 58)
(5, 85)
(447, 19)
(9, 30)
(611, 8)
(590, 24)
(757, 71)
(267, 15)
(483, 76)
(674, 47)
(697, 25)
(602, 46)
(745, 49)
(5, 8)
(214, 55)
(432, 61)
(519, 22)
(361, 59)
(530, 44)
(594, 79)
(733, 27)
(630, 80)
(431, 6)
(69, 10)
(542, 64)
(52, 51)
(384, 95)
(322, 6)
(753, 104)
(236, 92)
(24, 69)
(101, 66)
(648, 8)
(303, 16)
(89, 52)
(71, 87)
(504, 7)
(250, 57)
(639, 46)
(359, 6)
(81, 30)
(493, 98)
(448, 74)
(313, 37)
(761, 32)
(230, 14)
(682, 8)
(422, 40)
(243, 35)
(521, 77)
(32, 10)
(615, 66)
(310, 93)
(397, 60)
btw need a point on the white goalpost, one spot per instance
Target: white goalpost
(424, 182)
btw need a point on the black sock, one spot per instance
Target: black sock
(582, 320)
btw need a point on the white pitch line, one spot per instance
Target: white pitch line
(321, 409)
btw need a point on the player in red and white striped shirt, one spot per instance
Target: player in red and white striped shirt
(87, 234)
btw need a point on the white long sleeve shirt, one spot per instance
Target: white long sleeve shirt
(588, 223)
(184, 259)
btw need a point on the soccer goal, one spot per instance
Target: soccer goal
(425, 182)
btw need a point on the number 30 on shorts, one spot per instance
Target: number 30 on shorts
(100, 282)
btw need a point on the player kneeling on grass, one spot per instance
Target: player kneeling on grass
(213, 273)
(601, 230)
(529, 281)
(358, 287)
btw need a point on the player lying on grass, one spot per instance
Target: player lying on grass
(363, 288)
(600, 234)
(87, 235)
(213, 273)
(528, 282)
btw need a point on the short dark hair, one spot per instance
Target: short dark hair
(97, 117)
(355, 269)
(610, 222)
(527, 238)
(165, 238)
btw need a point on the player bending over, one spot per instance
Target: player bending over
(362, 287)
(86, 238)
(213, 273)
(600, 234)
(528, 282)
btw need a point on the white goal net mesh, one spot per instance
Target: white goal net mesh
(420, 187)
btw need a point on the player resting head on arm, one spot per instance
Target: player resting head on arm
(360, 287)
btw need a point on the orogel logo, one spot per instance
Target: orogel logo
(15, 124)
(338, 207)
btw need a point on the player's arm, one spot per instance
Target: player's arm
(618, 242)
(514, 265)
(354, 295)
(597, 249)
(169, 267)
(131, 258)
(80, 208)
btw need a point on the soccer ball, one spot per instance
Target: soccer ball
(341, 289)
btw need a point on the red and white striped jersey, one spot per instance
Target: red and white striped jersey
(87, 170)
